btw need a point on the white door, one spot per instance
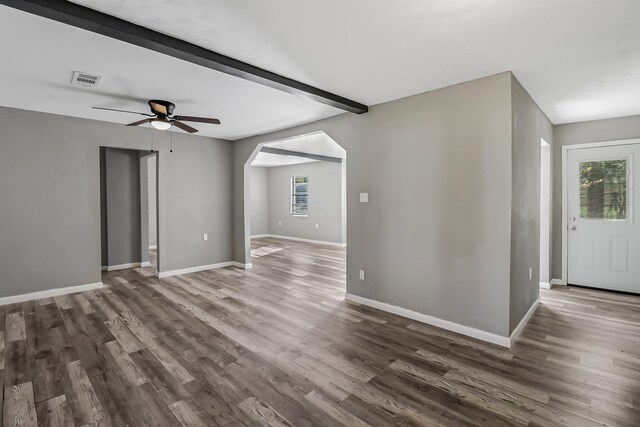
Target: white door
(604, 234)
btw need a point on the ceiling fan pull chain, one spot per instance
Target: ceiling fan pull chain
(152, 141)
(171, 142)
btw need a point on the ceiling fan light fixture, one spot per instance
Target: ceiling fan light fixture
(160, 124)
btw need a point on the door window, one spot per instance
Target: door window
(603, 190)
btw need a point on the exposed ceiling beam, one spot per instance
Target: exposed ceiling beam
(107, 25)
(281, 152)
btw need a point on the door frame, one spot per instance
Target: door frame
(565, 193)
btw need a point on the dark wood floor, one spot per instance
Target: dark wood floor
(277, 345)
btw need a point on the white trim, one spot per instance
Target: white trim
(170, 273)
(518, 330)
(123, 266)
(103, 268)
(241, 265)
(153, 246)
(545, 285)
(50, 293)
(145, 264)
(565, 192)
(259, 236)
(299, 239)
(558, 282)
(440, 323)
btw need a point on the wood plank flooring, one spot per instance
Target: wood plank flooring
(278, 346)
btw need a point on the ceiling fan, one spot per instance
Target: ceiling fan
(163, 118)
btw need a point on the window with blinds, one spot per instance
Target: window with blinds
(299, 195)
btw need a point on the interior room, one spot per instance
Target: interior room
(297, 193)
(128, 210)
(320, 213)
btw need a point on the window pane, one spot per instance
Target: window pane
(299, 195)
(603, 189)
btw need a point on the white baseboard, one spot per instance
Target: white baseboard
(153, 246)
(241, 265)
(518, 330)
(259, 236)
(194, 269)
(50, 293)
(299, 239)
(434, 321)
(103, 268)
(170, 273)
(559, 282)
(545, 285)
(145, 264)
(123, 266)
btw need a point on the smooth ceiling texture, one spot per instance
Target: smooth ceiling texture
(579, 59)
(39, 56)
(318, 143)
(312, 143)
(268, 160)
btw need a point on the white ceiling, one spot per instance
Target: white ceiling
(268, 160)
(579, 59)
(318, 143)
(38, 57)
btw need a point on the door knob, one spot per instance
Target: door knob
(573, 218)
(573, 227)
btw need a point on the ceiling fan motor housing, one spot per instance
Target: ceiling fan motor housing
(162, 108)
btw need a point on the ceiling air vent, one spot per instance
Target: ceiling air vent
(85, 79)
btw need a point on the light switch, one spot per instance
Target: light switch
(364, 197)
(361, 274)
(205, 236)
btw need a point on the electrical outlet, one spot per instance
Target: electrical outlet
(361, 274)
(530, 273)
(364, 197)
(205, 236)
(317, 225)
(280, 223)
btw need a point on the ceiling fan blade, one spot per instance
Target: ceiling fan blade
(138, 123)
(123, 111)
(197, 119)
(184, 127)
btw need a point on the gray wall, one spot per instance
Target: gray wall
(144, 206)
(580, 133)
(325, 202)
(123, 206)
(148, 208)
(199, 187)
(104, 243)
(259, 196)
(545, 214)
(529, 125)
(435, 235)
(50, 198)
(152, 188)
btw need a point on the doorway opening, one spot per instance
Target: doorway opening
(129, 210)
(545, 214)
(295, 198)
(149, 210)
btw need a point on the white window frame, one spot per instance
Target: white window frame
(292, 195)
